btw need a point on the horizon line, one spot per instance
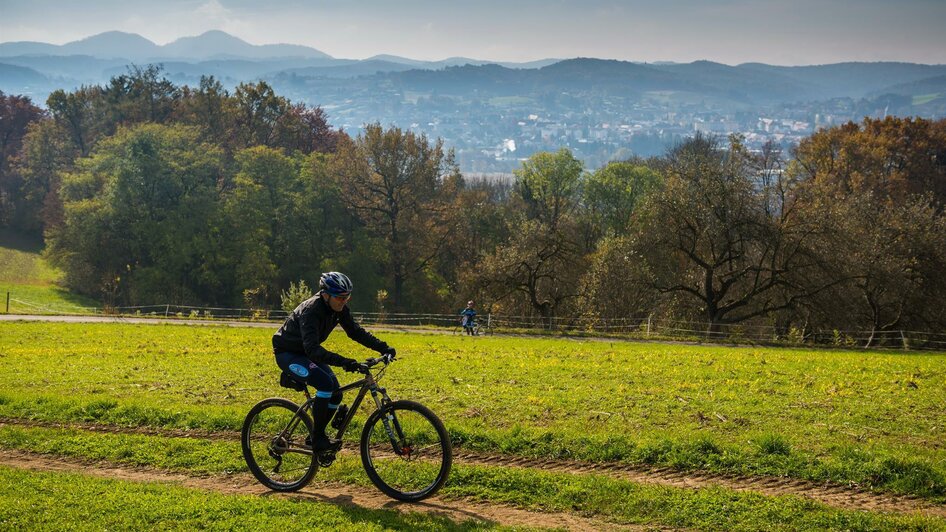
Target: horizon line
(488, 61)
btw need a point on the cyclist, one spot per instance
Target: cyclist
(468, 318)
(298, 348)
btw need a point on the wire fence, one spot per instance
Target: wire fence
(632, 327)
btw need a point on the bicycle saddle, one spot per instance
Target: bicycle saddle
(288, 380)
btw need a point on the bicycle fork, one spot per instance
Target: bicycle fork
(390, 422)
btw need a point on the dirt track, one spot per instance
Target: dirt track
(837, 496)
(344, 495)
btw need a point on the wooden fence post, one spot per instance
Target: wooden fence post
(8, 302)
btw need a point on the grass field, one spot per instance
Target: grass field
(58, 501)
(31, 282)
(612, 500)
(871, 419)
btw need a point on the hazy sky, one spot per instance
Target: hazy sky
(787, 32)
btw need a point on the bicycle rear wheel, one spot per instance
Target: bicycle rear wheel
(274, 445)
(406, 451)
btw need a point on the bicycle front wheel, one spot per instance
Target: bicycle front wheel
(274, 445)
(406, 451)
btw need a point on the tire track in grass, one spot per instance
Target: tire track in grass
(339, 494)
(835, 495)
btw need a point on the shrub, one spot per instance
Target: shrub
(296, 294)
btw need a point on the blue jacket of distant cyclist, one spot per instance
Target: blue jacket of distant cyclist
(469, 315)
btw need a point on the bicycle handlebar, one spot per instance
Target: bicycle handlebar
(386, 358)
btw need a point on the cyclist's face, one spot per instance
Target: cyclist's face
(338, 302)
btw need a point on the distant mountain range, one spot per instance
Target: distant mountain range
(211, 45)
(37, 68)
(478, 105)
(134, 47)
(754, 84)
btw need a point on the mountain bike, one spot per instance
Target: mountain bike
(461, 328)
(404, 446)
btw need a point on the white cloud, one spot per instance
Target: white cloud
(214, 10)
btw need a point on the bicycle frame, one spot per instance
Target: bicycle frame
(380, 396)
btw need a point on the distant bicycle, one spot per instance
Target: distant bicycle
(405, 448)
(462, 328)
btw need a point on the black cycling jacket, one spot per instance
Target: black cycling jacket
(310, 324)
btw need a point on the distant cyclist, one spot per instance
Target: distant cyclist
(298, 348)
(468, 319)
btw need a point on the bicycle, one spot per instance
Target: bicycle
(405, 448)
(475, 326)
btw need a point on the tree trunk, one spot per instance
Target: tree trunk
(545, 309)
(398, 290)
(713, 329)
(870, 339)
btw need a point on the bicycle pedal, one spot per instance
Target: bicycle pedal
(327, 458)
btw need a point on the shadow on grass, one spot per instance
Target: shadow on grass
(418, 515)
(21, 241)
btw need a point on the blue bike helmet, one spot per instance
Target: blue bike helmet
(335, 284)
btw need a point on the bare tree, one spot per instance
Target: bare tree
(714, 233)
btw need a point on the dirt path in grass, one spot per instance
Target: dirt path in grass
(344, 495)
(839, 496)
(830, 494)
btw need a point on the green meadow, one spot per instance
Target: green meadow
(871, 419)
(33, 285)
(64, 501)
(57, 499)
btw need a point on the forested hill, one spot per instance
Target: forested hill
(749, 83)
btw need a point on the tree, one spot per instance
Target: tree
(482, 216)
(877, 189)
(400, 186)
(262, 214)
(148, 197)
(306, 130)
(541, 261)
(886, 257)
(140, 96)
(17, 113)
(45, 155)
(258, 113)
(707, 234)
(542, 266)
(211, 108)
(82, 114)
(613, 191)
(891, 157)
(616, 285)
(549, 184)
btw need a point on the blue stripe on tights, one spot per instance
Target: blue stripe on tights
(323, 395)
(332, 407)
